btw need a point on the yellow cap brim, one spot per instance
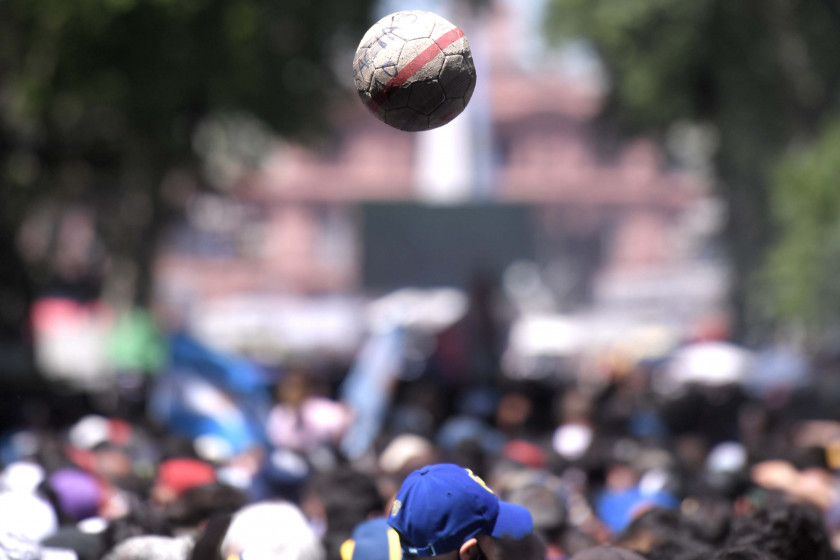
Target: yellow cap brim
(347, 548)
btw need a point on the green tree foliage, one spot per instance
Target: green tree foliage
(764, 73)
(804, 266)
(100, 99)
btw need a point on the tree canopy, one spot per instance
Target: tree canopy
(804, 265)
(100, 99)
(764, 74)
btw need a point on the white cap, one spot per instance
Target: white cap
(90, 431)
(22, 476)
(276, 530)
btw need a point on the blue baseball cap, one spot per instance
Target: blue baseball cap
(439, 507)
(372, 540)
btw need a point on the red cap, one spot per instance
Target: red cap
(524, 452)
(180, 475)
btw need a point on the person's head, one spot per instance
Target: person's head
(199, 504)
(208, 543)
(573, 540)
(271, 530)
(151, 546)
(649, 529)
(742, 553)
(294, 387)
(607, 553)
(547, 506)
(139, 521)
(531, 547)
(679, 547)
(446, 511)
(783, 531)
(75, 494)
(176, 476)
(339, 500)
(373, 539)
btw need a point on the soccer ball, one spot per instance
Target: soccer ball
(414, 70)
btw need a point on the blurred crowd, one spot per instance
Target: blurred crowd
(216, 457)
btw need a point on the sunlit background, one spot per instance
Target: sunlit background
(286, 250)
(194, 204)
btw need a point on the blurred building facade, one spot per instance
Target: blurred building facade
(617, 226)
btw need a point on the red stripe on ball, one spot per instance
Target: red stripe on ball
(414, 66)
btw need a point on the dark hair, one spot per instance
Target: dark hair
(650, 528)
(679, 547)
(528, 548)
(708, 519)
(786, 531)
(141, 520)
(572, 540)
(203, 502)
(742, 553)
(664, 534)
(208, 545)
(349, 497)
(810, 457)
(658, 520)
